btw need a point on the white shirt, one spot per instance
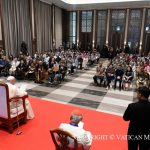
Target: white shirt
(83, 137)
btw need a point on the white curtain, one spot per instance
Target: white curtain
(17, 26)
(58, 26)
(43, 25)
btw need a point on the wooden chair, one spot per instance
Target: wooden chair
(61, 139)
(9, 117)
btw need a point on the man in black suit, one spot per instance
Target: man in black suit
(139, 116)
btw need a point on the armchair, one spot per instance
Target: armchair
(9, 116)
(61, 140)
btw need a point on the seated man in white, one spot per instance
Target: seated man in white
(75, 128)
(15, 91)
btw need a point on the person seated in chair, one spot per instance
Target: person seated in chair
(75, 128)
(118, 76)
(100, 72)
(127, 79)
(2, 66)
(14, 91)
(62, 70)
(142, 78)
(21, 70)
(109, 75)
(31, 72)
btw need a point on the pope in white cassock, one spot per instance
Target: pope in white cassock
(75, 128)
(15, 91)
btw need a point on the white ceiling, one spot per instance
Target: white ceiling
(98, 4)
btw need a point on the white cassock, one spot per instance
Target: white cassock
(83, 137)
(15, 91)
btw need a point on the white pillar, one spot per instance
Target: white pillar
(94, 27)
(108, 24)
(78, 26)
(53, 27)
(142, 30)
(126, 27)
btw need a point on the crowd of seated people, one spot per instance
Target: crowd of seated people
(124, 69)
(50, 66)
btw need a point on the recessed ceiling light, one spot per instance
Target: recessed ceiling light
(95, 1)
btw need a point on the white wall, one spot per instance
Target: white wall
(58, 26)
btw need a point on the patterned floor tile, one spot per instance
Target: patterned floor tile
(96, 88)
(56, 97)
(37, 93)
(114, 101)
(84, 102)
(87, 75)
(128, 93)
(83, 79)
(65, 93)
(54, 85)
(90, 97)
(69, 88)
(111, 108)
(80, 82)
(118, 96)
(76, 85)
(94, 92)
(44, 89)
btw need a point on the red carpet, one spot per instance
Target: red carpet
(49, 115)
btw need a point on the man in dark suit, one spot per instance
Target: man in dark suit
(139, 116)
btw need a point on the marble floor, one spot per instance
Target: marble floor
(79, 90)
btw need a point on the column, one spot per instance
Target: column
(94, 29)
(126, 28)
(108, 24)
(142, 31)
(78, 27)
(32, 18)
(53, 27)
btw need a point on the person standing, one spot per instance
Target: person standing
(139, 116)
